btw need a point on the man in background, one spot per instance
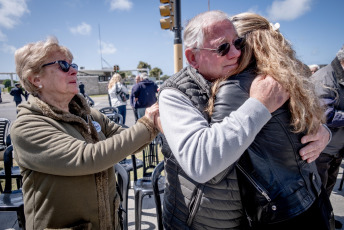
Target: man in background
(132, 98)
(329, 82)
(16, 92)
(144, 95)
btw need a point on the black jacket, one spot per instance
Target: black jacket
(275, 183)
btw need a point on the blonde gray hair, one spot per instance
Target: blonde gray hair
(30, 58)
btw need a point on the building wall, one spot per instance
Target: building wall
(93, 86)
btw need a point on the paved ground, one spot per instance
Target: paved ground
(8, 219)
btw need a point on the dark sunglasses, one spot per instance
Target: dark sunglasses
(224, 48)
(63, 65)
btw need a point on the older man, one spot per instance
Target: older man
(330, 88)
(197, 156)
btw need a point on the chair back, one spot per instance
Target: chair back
(8, 164)
(123, 185)
(151, 156)
(4, 128)
(112, 114)
(158, 183)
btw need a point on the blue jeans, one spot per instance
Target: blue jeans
(140, 112)
(122, 109)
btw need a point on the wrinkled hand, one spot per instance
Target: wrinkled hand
(269, 92)
(152, 113)
(317, 143)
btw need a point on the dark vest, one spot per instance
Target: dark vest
(187, 203)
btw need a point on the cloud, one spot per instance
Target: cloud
(107, 48)
(120, 5)
(83, 29)
(288, 10)
(11, 11)
(8, 48)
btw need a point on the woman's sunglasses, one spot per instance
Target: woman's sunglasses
(63, 65)
(224, 48)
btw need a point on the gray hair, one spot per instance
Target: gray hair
(30, 58)
(194, 30)
(144, 76)
(340, 54)
(314, 66)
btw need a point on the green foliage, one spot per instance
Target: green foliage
(155, 72)
(164, 78)
(6, 83)
(143, 65)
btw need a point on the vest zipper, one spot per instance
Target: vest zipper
(262, 191)
(195, 206)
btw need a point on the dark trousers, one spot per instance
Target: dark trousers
(122, 109)
(328, 168)
(17, 103)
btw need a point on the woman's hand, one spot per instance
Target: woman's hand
(152, 113)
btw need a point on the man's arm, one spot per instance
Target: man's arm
(317, 143)
(203, 151)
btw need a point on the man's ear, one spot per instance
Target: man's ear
(191, 58)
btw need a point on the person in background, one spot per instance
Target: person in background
(266, 52)
(0, 96)
(132, 98)
(17, 92)
(197, 156)
(115, 88)
(314, 68)
(82, 88)
(65, 149)
(329, 82)
(144, 94)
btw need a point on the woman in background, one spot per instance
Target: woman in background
(115, 89)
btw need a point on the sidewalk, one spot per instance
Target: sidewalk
(8, 219)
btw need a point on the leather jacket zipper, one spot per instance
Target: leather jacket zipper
(262, 191)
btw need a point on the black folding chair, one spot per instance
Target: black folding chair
(123, 185)
(143, 186)
(112, 114)
(11, 200)
(158, 183)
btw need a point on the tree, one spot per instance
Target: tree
(155, 72)
(7, 83)
(143, 65)
(164, 78)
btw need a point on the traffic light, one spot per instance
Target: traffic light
(167, 10)
(116, 68)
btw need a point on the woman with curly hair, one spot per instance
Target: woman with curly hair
(278, 189)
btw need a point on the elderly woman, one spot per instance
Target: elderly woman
(116, 88)
(66, 150)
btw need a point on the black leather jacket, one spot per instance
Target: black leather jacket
(275, 183)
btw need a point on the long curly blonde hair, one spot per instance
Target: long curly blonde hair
(271, 54)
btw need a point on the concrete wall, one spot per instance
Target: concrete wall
(93, 86)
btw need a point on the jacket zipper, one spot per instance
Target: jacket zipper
(195, 206)
(262, 191)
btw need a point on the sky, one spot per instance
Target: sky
(103, 33)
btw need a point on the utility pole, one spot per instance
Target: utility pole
(172, 11)
(178, 41)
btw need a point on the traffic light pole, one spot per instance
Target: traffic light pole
(178, 47)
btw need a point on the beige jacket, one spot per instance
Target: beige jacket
(67, 166)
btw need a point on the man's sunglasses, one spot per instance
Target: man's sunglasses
(224, 48)
(63, 65)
